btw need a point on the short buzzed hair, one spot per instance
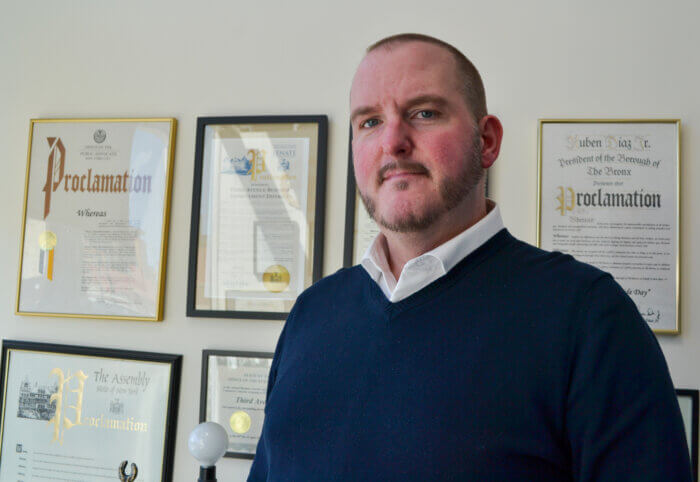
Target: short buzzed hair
(473, 87)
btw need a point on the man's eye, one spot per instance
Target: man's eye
(369, 123)
(426, 114)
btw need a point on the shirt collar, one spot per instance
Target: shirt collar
(442, 258)
(454, 250)
(376, 263)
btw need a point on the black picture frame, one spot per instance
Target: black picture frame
(350, 203)
(91, 431)
(693, 396)
(313, 261)
(259, 407)
(354, 226)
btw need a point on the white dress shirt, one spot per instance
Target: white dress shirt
(419, 272)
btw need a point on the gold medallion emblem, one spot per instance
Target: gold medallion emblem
(276, 278)
(47, 240)
(240, 422)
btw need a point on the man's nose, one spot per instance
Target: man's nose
(396, 139)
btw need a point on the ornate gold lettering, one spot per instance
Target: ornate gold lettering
(58, 398)
(257, 162)
(563, 206)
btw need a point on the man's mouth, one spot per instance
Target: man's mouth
(399, 171)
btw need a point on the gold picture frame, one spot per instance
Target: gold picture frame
(95, 218)
(608, 192)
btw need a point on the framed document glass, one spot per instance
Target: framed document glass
(76, 413)
(688, 402)
(609, 195)
(95, 223)
(256, 238)
(234, 389)
(360, 228)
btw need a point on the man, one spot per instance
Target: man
(456, 352)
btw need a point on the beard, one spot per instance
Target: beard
(452, 192)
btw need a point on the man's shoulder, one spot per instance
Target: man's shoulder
(525, 257)
(563, 294)
(353, 275)
(343, 282)
(342, 292)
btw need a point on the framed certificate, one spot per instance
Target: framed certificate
(76, 413)
(688, 402)
(256, 239)
(95, 222)
(234, 390)
(360, 229)
(608, 194)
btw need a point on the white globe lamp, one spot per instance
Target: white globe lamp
(208, 442)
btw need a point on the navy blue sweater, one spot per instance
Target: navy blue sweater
(518, 365)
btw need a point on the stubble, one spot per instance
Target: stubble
(452, 192)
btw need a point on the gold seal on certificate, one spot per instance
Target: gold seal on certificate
(240, 422)
(276, 278)
(47, 240)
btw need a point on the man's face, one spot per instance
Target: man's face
(416, 147)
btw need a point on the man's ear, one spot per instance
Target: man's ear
(491, 132)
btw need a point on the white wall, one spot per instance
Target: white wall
(543, 58)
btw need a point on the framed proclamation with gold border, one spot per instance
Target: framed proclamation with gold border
(609, 194)
(256, 238)
(79, 413)
(95, 222)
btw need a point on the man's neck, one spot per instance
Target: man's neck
(403, 247)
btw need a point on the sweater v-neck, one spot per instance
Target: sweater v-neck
(381, 304)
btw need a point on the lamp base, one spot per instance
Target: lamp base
(207, 474)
